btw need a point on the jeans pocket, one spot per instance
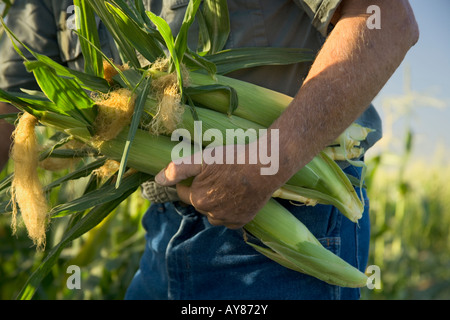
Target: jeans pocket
(332, 243)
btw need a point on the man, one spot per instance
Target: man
(194, 246)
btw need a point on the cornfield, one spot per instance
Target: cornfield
(410, 207)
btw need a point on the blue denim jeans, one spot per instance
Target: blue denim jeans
(188, 258)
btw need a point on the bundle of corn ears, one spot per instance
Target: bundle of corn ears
(127, 113)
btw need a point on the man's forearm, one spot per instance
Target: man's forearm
(352, 67)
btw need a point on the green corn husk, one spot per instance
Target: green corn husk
(289, 242)
(292, 245)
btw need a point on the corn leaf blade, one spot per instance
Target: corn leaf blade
(126, 50)
(93, 63)
(216, 18)
(180, 45)
(86, 223)
(81, 172)
(65, 93)
(138, 37)
(109, 61)
(195, 61)
(166, 33)
(87, 81)
(107, 192)
(230, 60)
(135, 121)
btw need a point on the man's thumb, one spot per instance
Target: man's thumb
(175, 173)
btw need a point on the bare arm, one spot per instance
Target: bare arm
(350, 70)
(6, 130)
(352, 67)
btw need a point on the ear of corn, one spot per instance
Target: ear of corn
(93, 62)
(291, 244)
(335, 189)
(66, 107)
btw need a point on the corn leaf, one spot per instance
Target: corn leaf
(9, 117)
(140, 9)
(137, 36)
(62, 140)
(81, 172)
(20, 103)
(86, 81)
(132, 77)
(107, 192)
(230, 60)
(93, 63)
(86, 223)
(6, 183)
(166, 33)
(194, 61)
(138, 15)
(127, 51)
(15, 99)
(67, 94)
(217, 21)
(138, 109)
(204, 42)
(181, 39)
(127, 8)
(111, 63)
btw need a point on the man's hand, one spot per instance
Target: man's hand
(229, 194)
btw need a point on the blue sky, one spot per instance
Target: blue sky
(429, 65)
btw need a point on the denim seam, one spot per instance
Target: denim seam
(172, 267)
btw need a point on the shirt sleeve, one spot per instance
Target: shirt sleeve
(34, 24)
(321, 12)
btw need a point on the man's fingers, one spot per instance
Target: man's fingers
(184, 193)
(175, 173)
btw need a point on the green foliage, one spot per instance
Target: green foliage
(410, 222)
(108, 255)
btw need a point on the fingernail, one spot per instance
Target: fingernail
(160, 178)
